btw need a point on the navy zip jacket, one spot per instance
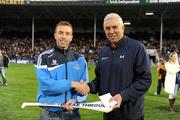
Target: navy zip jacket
(55, 70)
(124, 70)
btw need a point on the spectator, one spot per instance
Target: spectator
(171, 81)
(161, 76)
(4, 61)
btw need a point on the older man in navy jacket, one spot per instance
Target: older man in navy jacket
(122, 70)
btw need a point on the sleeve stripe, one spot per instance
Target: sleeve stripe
(39, 61)
(42, 66)
(52, 68)
(87, 76)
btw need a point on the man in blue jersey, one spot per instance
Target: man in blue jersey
(60, 72)
(122, 70)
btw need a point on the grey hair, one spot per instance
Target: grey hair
(113, 16)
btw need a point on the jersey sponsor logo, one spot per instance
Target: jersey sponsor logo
(104, 58)
(121, 56)
(77, 67)
(54, 62)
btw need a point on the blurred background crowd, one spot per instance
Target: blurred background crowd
(18, 45)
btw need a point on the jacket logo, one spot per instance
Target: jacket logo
(104, 58)
(121, 56)
(54, 62)
(77, 67)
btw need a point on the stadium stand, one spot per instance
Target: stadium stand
(17, 18)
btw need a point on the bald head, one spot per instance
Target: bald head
(113, 16)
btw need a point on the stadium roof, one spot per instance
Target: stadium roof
(83, 13)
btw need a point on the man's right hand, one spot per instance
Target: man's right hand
(81, 87)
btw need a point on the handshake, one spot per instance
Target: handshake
(80, 87)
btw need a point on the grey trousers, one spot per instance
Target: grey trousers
(61, 115)
(3, 74)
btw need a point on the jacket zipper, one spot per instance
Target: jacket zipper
(113, 52)
(66, 72)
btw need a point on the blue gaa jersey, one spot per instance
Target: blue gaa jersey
(56, 69)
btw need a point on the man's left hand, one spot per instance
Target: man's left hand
(69, 103)
(118, 99)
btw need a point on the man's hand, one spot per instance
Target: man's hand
(68, 104)
(85, 88)
(118, 99)
(81, 87)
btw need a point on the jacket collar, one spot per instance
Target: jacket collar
(61, 50)
(120, 43)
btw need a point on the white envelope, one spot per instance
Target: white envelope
(105, 99)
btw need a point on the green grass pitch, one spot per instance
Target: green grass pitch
(22, 87)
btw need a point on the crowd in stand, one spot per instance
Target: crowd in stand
(20, 48)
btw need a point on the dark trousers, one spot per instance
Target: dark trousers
(60, 115)
(159, 86)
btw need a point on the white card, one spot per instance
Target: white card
(105, 99)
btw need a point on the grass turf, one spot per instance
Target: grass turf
(22, 87)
